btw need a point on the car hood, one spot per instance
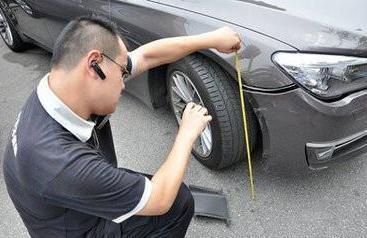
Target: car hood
(336, 26)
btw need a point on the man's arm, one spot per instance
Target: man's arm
(168, 50)
(168, 179)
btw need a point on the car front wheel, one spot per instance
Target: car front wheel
(198, 79)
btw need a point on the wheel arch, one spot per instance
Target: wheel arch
(157, 77)
(158, 91)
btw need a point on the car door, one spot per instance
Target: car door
(64, 11)
(136, 20)
(129, 15)
(31, 20)
(100, 7)
(140, 22)
(60, 13)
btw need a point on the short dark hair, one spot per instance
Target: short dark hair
(83, 35)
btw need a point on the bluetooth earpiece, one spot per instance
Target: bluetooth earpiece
(98, 70)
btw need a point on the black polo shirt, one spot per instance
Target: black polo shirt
(61, 172)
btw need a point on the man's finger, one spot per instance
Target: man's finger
(190, 105)
(204, 111)
(198, 107)
(237, 45)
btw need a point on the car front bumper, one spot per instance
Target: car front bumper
(300, 132)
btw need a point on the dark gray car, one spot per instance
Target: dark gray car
(304, 65)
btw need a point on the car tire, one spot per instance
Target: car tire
(219, 93)
(10, 35)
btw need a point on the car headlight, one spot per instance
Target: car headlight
(326, 76)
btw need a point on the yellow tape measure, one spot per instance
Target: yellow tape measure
(244, 117)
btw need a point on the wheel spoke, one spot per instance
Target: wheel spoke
(178, 109)
(179, 94)
(5, 30)
(206, 140)
(190, 89)
(182, 87)
(9, 36)
(178, 89)
(2, 27)
(180, 105)
(203, 145)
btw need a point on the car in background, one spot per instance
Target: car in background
(304, 67)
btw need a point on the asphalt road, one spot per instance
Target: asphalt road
(331, 203)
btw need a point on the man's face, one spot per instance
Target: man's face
(108, 91)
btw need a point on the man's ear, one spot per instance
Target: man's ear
(91, 64)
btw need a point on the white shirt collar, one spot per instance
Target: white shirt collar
(78, 126)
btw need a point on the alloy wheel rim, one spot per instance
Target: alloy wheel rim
(184, 91)
(5, 30)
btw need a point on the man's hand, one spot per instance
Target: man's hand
(194, 120)
(224, 40)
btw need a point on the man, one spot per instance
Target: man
(60, 166)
